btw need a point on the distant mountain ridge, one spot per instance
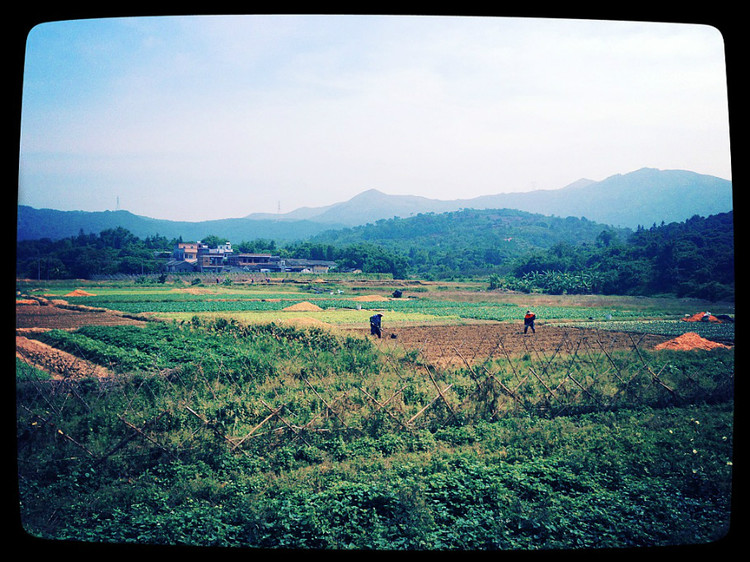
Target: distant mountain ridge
(34, 224)
(643, 197)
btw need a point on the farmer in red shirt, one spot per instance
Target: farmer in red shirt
(528, 322)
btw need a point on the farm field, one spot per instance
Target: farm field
(267, 416)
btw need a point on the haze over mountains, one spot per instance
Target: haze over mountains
(643, 197)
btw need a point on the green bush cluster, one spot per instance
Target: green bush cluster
(626, 479)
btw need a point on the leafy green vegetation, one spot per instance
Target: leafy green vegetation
(694, 259)
(220, 433)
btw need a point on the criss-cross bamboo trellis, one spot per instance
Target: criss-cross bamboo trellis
(582, 372)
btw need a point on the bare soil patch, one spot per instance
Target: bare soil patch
(57, 363)
(371, 298)
(49, 316)
(303, 307)
(44, 315)
(79, 293)
(455, 345)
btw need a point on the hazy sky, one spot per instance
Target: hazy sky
(197, 118)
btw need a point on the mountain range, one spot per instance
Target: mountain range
(640, 198)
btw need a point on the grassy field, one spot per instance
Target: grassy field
(231, 422)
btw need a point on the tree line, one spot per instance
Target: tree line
(512, 249)
(690, 259)
(117, 251)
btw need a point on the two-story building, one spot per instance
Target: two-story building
(198, 257)
(187, 251)
(213, 259)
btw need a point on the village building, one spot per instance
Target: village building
(309, 266)
(197, 257)
(185, 251)
(256, 262)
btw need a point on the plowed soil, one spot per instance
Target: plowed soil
(57, 363)
(49, 316)
(39, 315)
(439, 345)
(455, 345)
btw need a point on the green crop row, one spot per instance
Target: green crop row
(723, 332)
(434, 307)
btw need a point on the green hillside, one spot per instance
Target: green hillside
(469, 241)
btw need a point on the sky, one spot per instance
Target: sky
(208, 117)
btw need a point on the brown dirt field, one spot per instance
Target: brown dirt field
(59, 364)
(439, 345)
(45, 316)
(451, 345)
(49, 316)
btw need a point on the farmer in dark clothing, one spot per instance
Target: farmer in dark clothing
(528, 322)
(375, 325)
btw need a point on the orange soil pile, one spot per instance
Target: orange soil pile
(303, 307)
(365, 298)
(79, 293)
(698, 317)
(193, 291)
(690, 341)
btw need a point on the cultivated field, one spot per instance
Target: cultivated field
(268, 416)
(447, 326)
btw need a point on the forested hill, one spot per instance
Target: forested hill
(35, 224)
(517, 250)
(694, 258)
(530, 252)
(469, 241)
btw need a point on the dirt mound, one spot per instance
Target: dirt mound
(690, 341)
(193, 291)
(370, 298)
(80, 293)
(699, 317)
(303, 307)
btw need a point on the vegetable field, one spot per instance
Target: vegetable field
(269, 417)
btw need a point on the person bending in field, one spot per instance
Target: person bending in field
(375, 325)
(528, 322)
